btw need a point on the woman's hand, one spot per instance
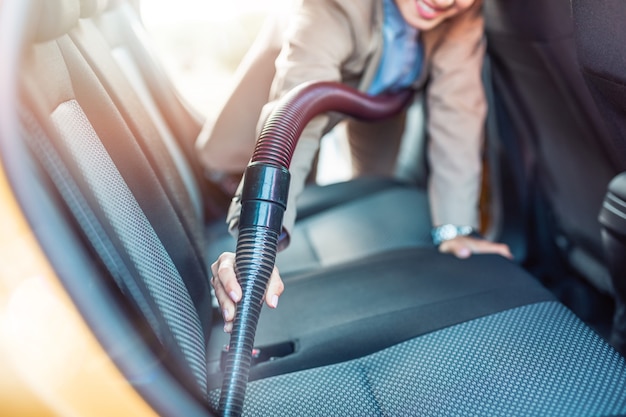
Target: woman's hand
(228, 291)
(465, 246)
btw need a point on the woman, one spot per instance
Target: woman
(377, 46)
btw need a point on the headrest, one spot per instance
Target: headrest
(91, 8)
(54, 18)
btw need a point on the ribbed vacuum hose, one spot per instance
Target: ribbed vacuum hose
(264, 199)
(282, 130)
(263, 203)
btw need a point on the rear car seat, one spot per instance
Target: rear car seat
(322, 213)
(481, 322)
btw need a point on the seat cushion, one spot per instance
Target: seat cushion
(354, 309)
(335, 230)
(535, 360)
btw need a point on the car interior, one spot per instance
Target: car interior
(98, 146)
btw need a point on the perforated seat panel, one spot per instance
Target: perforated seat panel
(536, 360)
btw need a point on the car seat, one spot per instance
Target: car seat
(557, 152)
(362, 332)
(599, 39)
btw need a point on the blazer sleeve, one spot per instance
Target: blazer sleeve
(456, 106)
(318, 41)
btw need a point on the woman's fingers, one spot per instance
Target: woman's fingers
(493, 247)
(274, 289)
(226, 287)
(228, 291)
(465, 246)
(224, 270)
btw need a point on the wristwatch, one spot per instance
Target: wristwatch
(449, 231)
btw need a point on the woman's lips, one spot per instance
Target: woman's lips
(426, 11)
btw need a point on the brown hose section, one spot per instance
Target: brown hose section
(282, 130)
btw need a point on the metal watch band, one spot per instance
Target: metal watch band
(445, 232)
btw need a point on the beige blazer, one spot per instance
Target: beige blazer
(341, 40)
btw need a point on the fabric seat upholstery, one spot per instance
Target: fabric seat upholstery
(527, 361)
(86, 136)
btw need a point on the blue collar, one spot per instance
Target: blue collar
(401, 58)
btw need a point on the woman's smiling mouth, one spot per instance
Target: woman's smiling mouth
(426, 11)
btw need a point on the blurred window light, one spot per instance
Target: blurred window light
(201, 42)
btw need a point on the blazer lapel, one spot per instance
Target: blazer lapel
(376, 46)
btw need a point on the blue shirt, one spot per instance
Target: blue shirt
(401, 60)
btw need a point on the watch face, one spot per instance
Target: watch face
(447, 231)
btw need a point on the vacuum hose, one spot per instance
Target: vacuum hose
(263, 203)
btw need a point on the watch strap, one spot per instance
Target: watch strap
(445, 232)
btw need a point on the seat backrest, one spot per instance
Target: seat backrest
(128, 90)
(177, 122)
(600, 41)
(104, 170)
(554, 129)
(120, 24)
